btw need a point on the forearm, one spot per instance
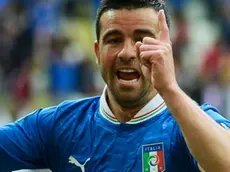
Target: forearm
(207, 141)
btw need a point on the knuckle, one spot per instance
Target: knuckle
(166, 30)
(165, 49)
(162, 53)
(142, 55)
(169, 46)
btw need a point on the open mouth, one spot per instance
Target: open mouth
(128, 75)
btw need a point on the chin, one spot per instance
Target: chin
(131, 98)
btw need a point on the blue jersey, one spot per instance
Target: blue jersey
(84, 136)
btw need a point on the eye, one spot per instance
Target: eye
(114, 41)
(140, 39)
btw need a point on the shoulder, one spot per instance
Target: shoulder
(64, 112)
(212, 112)
(74, 109)
(79, 105)
(215, 115)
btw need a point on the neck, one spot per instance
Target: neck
(124, 113)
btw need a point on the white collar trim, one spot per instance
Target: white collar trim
(153, 108)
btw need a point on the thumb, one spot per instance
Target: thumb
(138, 44)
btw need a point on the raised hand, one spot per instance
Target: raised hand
(156, 54)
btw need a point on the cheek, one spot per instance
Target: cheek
(108, 57)
(107, 63)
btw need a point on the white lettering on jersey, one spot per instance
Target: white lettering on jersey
(225, 126)
(72, 160)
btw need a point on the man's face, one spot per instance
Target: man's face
(128, 83)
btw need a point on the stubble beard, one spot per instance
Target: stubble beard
(139, 101)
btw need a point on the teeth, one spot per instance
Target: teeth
(127, 70)
(129, 81)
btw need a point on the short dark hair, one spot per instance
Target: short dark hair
(106, 5)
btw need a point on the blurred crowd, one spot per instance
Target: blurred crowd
(201, 45)
(46, 52)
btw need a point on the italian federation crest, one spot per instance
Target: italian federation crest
(153, 157)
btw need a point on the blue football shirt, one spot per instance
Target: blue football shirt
(84, 136)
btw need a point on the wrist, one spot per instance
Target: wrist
(170, 90)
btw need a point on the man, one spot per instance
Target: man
(142, 122)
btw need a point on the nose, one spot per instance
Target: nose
(128, 52)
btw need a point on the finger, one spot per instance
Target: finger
(164, 30)
(138, 45)
(152, 41)
(147, 47)
(150, 57)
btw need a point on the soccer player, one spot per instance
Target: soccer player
(142, 122)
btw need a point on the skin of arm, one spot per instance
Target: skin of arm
(207, 141)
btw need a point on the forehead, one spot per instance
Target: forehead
(129, 20)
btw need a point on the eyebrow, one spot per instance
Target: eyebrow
(136, 32)
(111, 32)
(144, 32)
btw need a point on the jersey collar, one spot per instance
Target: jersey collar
(153, 108)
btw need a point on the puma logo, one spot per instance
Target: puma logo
(72, 160)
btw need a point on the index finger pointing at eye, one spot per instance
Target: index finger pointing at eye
(164, 30)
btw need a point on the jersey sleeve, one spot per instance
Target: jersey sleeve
(215, 115)
(24, 143)
(180, 146)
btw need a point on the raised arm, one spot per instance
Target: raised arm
(206, 139)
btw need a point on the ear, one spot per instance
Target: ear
(96, 51)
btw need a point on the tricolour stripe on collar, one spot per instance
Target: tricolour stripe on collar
(153, 108)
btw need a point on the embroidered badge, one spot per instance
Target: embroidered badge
(153, 157)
